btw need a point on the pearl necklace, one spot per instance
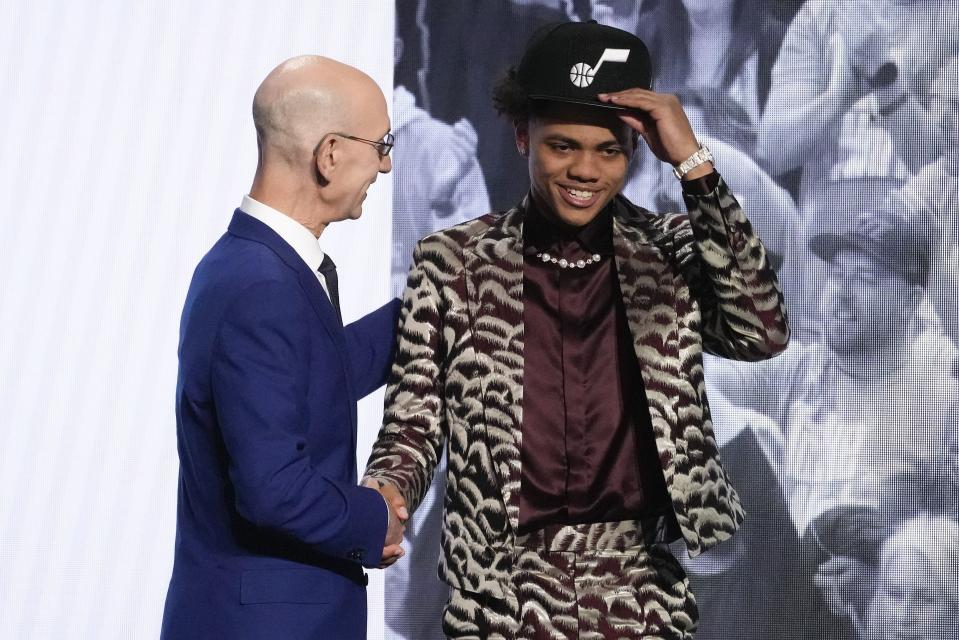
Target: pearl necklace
(569, 264)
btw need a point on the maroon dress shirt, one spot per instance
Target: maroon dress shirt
(588, 451)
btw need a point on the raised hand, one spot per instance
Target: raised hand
(660, 119)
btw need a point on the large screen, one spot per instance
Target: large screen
(835, 124)
(128, 142)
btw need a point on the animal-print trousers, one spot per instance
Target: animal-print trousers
(582, 582)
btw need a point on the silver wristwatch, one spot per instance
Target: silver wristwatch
(702, 156)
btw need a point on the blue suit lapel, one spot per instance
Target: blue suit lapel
(246, 226)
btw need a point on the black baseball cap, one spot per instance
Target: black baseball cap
(574, 61)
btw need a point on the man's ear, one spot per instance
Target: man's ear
(521, 133)
(326, 159)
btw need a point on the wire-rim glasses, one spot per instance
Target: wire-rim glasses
(383, 147)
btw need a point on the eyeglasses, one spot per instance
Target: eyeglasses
(383, 147)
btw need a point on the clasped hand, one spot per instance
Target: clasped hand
(398, 514)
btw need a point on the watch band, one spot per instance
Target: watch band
(702, 156)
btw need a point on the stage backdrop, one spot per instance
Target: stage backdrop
(127, 141)
(835, 123)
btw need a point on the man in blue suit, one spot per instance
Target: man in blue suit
(272, 528)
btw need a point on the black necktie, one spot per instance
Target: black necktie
(328, 269)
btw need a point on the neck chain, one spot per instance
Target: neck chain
(569, 264)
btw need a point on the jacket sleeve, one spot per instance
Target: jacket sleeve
(370, 341)
(260, 376)
(743, 312)
(408, 447)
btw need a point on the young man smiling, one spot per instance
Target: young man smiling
(555, 352)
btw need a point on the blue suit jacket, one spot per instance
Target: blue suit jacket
(272, 528)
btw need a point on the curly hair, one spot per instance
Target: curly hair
(510, 98)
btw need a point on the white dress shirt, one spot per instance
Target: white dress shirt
(301, 239)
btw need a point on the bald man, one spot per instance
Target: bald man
(273, 531)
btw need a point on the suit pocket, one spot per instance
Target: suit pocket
(292, 586)
(474, 568)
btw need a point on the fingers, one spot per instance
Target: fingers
(661, 114)
(660, 119)
(613, 96)
(391, 553)
(398, 514)
(396, 500)
(642, 99)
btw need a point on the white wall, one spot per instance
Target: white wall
(126, 143)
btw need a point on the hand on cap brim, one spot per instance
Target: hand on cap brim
(660, 119)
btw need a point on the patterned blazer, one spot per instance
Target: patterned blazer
(690, 282)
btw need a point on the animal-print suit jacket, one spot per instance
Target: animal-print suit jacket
(690, 282)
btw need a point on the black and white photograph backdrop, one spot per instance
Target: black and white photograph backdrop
(828, 119)
(128, 142)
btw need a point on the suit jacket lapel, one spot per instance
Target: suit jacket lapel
(494, 280)
(246, 226)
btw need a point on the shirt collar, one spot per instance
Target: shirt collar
(542, 233)
(301, 239)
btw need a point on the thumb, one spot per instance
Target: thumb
(397, 501)
(399, 504)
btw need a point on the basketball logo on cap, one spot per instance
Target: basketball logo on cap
(582, 74)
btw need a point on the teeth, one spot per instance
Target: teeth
(582, 195)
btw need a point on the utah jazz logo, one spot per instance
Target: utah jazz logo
(582, 74)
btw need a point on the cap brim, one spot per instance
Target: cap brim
(827, 245)
(585, 103)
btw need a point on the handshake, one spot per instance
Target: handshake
(398, 514)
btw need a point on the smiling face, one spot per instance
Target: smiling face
(362, 162)
(365, 164)
(856, 317)
(866, 305)
(578, 158)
